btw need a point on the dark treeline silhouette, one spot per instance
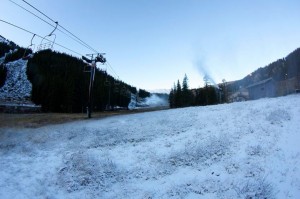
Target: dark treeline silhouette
(279, 70)
(60, 84)
(182, 96)
(3, 73)
(143, 93)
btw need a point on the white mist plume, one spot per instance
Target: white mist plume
(155, 101)
(200, 65)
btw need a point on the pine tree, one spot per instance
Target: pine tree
(178, 95)
(172, 96)
(185, 86)
(186, 93)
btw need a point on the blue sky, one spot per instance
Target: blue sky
(152, 43)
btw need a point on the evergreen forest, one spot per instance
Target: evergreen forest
(60, 83)
(181, 96)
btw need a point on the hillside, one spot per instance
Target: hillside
(280, 70)
(57, 81)
(17, 88)
(239, 150)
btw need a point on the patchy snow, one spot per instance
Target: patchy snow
(239, 150)
(17, 87)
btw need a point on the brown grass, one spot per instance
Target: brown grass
(35, 120)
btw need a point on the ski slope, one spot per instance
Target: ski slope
(239, 150)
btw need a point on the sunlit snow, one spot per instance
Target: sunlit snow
(239, 150)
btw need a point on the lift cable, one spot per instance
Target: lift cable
(81, 42)
(32, 13)
(74, 36)
(109, 65)
(40, 36)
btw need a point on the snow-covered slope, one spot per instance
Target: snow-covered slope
(17, 87)
(239, 150)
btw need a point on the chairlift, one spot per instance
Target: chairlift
(49, 42)
(100, 58)
(30, 47)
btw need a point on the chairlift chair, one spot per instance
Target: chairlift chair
(30, 47)
(49, 42)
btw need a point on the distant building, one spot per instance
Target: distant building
(264, 88)
(240, 95)
(289, 86)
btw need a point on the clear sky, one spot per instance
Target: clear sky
(152, 43)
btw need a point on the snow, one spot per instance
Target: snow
(17, 87)
(239, 150)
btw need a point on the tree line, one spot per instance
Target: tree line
(279, 70)
(181, 96)
(60, 84)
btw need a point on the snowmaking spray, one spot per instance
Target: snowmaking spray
(207, 78)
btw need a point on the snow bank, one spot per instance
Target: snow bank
(17, 87)
(240, 150)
